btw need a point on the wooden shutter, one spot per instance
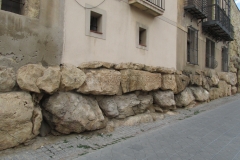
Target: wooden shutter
(207, 53)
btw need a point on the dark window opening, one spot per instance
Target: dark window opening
(14, 6)
(225, 59)
(142, 37)
(96, 22)
(210, 54)
(192, 46)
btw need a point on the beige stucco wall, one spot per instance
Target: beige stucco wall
(183, 23)
(120, 43)
(24, 39)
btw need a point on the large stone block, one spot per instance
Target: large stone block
(146, 102)
(133, 80)
(19, 119)
(182, 82)
(101, 82)
(184, 98)
(129, 65)
(168, 82)
(164, 99)
(196, 79)
(214, 93)
(71, 77)
(28, 75)
(7, 79)
(200, 94)
(71, 112)
(50, 81)
(119, 106)
(230, 78)
(95, 65)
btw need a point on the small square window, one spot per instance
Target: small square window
(95, 22)
(142, 36)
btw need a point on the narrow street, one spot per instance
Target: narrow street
(211, 135)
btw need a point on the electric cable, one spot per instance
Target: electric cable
(90, 7)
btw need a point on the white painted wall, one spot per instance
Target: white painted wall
(120, 43)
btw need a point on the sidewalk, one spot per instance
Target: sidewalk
(211, 135)
(208, 131)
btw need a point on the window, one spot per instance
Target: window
(95, 22)
(225, 59)
(142, 36)
(14, 6)
(210, 54)
(192, 46)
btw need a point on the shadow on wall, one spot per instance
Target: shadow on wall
(35, 36)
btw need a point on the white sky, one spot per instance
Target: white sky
(238, 3)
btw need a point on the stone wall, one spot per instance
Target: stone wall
(96, 95)
(234, 45)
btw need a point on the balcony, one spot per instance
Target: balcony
(218, 24)
(153, 7)
(196, 8)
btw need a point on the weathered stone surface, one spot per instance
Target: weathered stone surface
(129, 65)
(212, 77)
(157, 116)
(71, 112)
(119, 106)
(27, 77)
(234, 90)
(101, 82)
(71, 77)
(145, 102)
(184, 98)
(200, 94)
(134, 120)
(165, 70)
(165, 99)
(206, 85)
(196, 79)
(19, 119)
(168, 82)
(96, 64)
(182, 82)
(138, 119)
(223, 89)
(214, 93)
(7, 79)
(132, 80)
(150, 68)
(50, 80)
(230, 78)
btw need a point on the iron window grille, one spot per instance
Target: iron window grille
(94, 24)
(225, 59)
(192, 46)
(13, 6)
(210, 54)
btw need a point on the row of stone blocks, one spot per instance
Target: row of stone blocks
(96, 95)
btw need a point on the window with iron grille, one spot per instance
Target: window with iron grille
(192, 46)
(210, 54)
(225, 59)
(12, 5)
(96, 22)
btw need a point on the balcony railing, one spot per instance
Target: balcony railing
(158, 3)
(154, 7)
(218, 24)
(196, 8)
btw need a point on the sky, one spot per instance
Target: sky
(238, 3)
